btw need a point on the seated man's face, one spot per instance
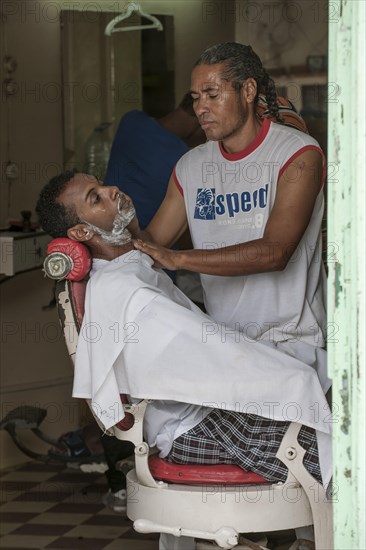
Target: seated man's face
(105, 210)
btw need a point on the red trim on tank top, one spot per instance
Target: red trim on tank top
(251, 147)
(175, 177)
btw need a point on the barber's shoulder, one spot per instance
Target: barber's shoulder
(281, 132)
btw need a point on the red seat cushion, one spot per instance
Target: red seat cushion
(219, 474)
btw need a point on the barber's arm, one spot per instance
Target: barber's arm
(169, 222)
(297, 190)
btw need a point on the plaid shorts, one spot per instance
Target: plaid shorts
(247, 440)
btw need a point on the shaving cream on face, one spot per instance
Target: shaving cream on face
(119, 234)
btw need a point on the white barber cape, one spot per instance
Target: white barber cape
(142, 336)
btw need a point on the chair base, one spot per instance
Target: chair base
(206, 511)
(244, 544)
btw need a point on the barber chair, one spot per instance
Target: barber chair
(212, 503)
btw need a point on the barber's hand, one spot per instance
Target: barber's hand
(163, 257)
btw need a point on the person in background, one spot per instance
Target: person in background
(145, 151)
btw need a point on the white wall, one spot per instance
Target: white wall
(284, 32)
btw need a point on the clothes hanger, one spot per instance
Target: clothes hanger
(132, 8)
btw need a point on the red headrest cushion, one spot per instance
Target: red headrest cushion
(67, 259)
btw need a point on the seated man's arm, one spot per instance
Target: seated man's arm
(169, 222)
(297, 191)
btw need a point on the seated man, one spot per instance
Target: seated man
(143, 337)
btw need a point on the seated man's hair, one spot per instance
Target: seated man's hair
(53, 217)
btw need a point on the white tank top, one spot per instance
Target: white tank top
(228, 199)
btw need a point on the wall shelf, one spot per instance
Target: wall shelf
(290, 85)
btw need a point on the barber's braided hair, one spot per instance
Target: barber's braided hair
(241, 62)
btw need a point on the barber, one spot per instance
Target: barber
(253, 201)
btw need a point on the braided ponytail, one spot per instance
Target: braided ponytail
(269, 91)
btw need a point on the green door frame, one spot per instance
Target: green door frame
(346, 260)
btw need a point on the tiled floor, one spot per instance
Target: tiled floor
(46, 507)
(53, 507)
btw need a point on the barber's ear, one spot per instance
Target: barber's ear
(80, 232)
(249, 90)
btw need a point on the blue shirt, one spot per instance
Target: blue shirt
(142, 159)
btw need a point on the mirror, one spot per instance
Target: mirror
(105, 77)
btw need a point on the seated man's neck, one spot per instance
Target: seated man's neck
(105, 251)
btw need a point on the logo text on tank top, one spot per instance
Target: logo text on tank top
(209, 206)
